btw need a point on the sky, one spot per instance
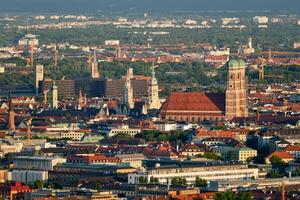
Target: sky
(85, 6)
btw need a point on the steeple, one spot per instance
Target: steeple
(80, 100)
(153, 99)
(94, 67)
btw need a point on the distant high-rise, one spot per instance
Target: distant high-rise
(153, 100)
(94, 67)
(236, 92)
(54, 96)
(38, 76)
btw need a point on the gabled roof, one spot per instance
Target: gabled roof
(194, 101)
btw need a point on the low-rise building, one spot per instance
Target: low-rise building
(36, 162)
(110, 132)
(285, 156)
(134, 160)
(293, 150)
(164, 175)
(235, 153)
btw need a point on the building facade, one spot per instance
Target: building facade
(164, 175)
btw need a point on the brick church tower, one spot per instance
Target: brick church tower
(236, 91)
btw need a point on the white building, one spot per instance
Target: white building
(209, 173)
(296, 45)
(29, 40)
(40, 17)
(112, 42)
(220, 52)
(2, 70)
(260, 19)
(191, 22)
(72, 135)
(124, 129)
(28, 176)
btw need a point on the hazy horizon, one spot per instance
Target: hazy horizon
(159, 6)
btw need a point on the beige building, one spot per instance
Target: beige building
(134, 160)
(235, 154)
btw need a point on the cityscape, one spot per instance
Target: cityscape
(139, 100)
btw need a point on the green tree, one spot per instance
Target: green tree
(274, 174)
(143, 180)
(275, 160)
(210, 155)
(154, 180)
(178, 181)
(39, 184)
(230, 155)
(200, 182)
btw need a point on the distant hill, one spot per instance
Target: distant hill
(158, 6)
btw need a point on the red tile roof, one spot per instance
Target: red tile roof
(195, 101)
(292, 148)
(281, 154)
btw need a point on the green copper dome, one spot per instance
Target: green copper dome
(236, 63)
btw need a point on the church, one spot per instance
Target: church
(198, 106)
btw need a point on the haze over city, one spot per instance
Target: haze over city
(83, 6)
(149, 99)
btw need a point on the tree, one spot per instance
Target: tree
(297, 171)
(39, 184)
(231, 155)
(274, 174)
(200, 182)
(178, 181)
(297, 160)
(229, 195)
(244, 196)
(210, 155)
(275, 160)
(143, 180)
(154, 180)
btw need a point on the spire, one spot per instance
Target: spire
(80, 100)
(11, 114)
(94, 67)
(153, 79)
